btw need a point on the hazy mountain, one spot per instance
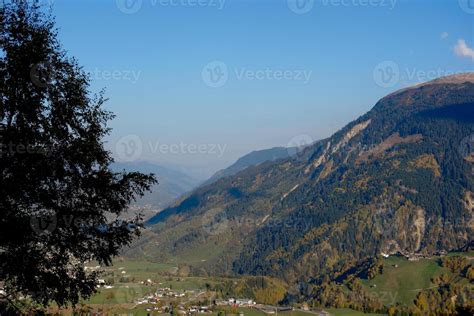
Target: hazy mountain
(253, 159)
(399, 179)
(171, 184)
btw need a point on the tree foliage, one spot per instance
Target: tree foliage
(60, 203)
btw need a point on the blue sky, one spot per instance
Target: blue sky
(198, 83)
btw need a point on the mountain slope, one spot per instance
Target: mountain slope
(252, 159)
(399, 179)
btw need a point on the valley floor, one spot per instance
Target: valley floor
(130, 285)
(147, 288)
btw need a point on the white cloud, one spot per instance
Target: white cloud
(462, 50)
(444, 35)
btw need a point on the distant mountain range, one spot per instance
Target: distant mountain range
(171, 185)
(399, 179)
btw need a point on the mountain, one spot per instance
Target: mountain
(171, 185)
(398, 179)
(253, 159)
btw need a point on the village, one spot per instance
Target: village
(157, 289)
(188, 302)
(191, 302)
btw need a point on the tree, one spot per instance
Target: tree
(470, 273)
(60, 203)
(391, 311)
(422, 302)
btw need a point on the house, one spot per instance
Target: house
(244, 302)
(204, 309)
(148, 282)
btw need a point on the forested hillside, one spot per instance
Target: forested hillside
(399, 179)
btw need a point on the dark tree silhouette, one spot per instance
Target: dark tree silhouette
(60, 203)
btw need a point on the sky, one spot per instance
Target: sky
(196, 84)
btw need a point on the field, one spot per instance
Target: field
(402, 280)
(332, 311)
(347, 312)
(129, 283)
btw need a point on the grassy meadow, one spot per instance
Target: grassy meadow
(402, 280)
